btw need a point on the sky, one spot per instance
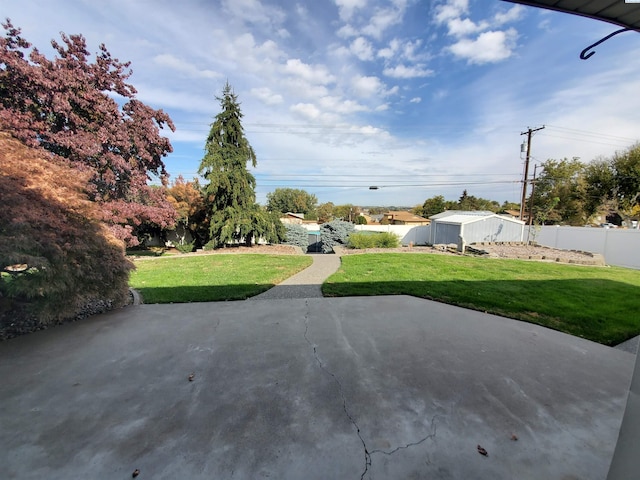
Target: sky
(415, 97)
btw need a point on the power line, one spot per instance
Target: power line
(393, 176)
(593, 134)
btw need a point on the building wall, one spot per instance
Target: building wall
(492, 229)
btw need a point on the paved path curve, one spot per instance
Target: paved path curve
(307, 283)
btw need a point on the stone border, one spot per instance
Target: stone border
(547, 254)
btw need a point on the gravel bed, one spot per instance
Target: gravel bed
(496, 250)
(538, 252)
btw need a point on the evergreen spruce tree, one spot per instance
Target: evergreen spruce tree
(234, 214)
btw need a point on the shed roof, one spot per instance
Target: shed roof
(617, 12)
(466, 213)
(462, 217)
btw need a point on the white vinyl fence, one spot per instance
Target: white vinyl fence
(418, 235)
(620, 247)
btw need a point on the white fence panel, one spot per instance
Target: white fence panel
(620, 247)
(419, 235)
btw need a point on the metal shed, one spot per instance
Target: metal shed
(466, 227)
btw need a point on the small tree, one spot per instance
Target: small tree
(335, 233)
(346, 212)
(431, 206)
(296, 235)
(292, 200)
(188, 200)
(325, 212)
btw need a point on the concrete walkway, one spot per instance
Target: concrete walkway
(307, 283)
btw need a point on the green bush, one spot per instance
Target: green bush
(361, 240)
(296, 235)
(185, 247)
(334, 233)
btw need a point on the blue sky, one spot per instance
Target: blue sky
(419, 98)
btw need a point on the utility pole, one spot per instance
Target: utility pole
(529, 134)
(533, 190)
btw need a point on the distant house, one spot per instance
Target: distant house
(404, 218)
(297, 218)
(511, 213)
(515, 214)
(463, 227)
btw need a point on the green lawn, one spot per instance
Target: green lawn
(208, 278)
(598, 303)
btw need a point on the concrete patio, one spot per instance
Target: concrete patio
(317, 388)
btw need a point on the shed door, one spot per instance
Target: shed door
(447, 233)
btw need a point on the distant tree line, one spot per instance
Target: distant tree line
(567, 192)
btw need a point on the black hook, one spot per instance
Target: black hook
(584, 55)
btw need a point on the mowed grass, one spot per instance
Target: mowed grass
(210, 278)
(597, 303)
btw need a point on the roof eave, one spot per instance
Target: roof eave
(625, 15)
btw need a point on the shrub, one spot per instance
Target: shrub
(185, 247)
(387, 240)
(297, 235)
(56, 256)
(361, 240)
(334, 233)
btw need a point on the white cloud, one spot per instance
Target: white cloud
(369, 130)
(440, 94)
(306, 110)
(314, 74)
(451, 10)
(269, 50)
(409, 50)
(413, 71)
(346, 8)
(415, 100)
(174, 99)
(184, 67)
(514, 13)
(383, 19)
(254, 11)
(489, 47)
(266, 96)
(459, 27)
(338, 105)
(391, 50)
(347, 31)
(300, 88)
(362, 49)
(367, 86)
